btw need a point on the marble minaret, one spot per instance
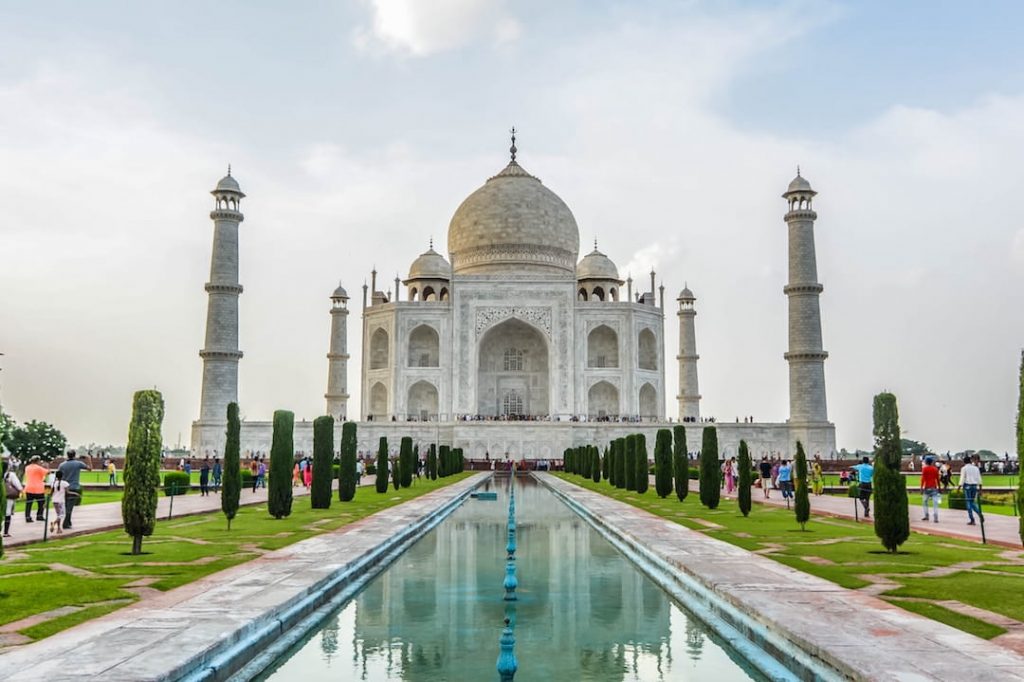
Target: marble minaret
(337, 358)
(689, 394)
(220, 354)
(806, 357)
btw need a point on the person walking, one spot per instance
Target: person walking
(204, 478)
(786, 479)
(865, 474)
(261, 474)
(12, 488)
(775, 473)
(254, 469)
(970, 482)
(111, 474)
(58, 495)
(817, 476)
(930, 488)
(946, 476)
(765, 471)
(71, 470)
(217, 474)
(35, 489)
(307, 475)
(730, 476)
(297, 473)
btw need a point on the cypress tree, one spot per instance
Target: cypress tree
(746, 467)
(892, 515)
(680, 462)
(606, 463)
(432, 462)
(443, 461)
(231, 486)
(596, 470)
(631, 462)
(416, 460)
(282, 461)
(710, 469)
(801, 502)
(643, 476)
(323, 456)
(142, 467)
(382, 466)
(396, 473)
(663, 463)
(620, 462)
(347, 463)
(587, 461)
(405, 461)
(1020, 450)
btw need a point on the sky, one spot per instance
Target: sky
(669, 128)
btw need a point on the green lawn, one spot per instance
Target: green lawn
(914, 480)
(915, 503)
(850, 555)
(179, 552)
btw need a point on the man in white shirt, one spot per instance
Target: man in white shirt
(970, 481)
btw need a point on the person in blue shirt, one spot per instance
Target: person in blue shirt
(865, 474)
(786, 479)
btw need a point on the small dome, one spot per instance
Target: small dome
(799, 184)
(340, 293)
(430, 265)
(686, 295)
(596, 265)
(228, 184)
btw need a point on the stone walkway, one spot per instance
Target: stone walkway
(244, 608)
(861, 636)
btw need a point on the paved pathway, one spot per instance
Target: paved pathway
(860, 635)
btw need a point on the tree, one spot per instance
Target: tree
(663, 463)
(443, 461)
(432, 462)
(710, 469)
(620, 462)
(1020, 449)
(396, 473)
(630, 462)
(282, 461)
(405, 461)
(801, 502)
(36, 438)
(231, 486)
(746, 467)
(596, 470)
(606, 464)
(323, 456)
(680, 462)
(382, 465)
(643, 476)
(142, 467)
(347, 463)
(892, 516)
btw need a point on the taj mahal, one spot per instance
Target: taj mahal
(514, 345)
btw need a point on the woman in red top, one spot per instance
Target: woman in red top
(930, 487)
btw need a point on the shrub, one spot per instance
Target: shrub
(596, 469)
(620, 463)
(630, 462)
(282, 461)
(382, 466)
(693, 474)
(663, 463)
(853, 491)
(232, 481)
(710, 469)
(405, 462)
(606, 463)
(396, 474)
(347, 463)
(745, 481)
(801, 502)
(442, 461)
(432, 462)
(892, 517)
(177, 483)
(245, 476)
(680, 462)
(142, 467)
(323, 453)
(643, 477)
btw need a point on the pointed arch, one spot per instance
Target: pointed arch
(602, 400)
(422, 401)
(602, 347)
(424, 347)
(647, 350)
(379, 349)
(648, 401)
(379, 401)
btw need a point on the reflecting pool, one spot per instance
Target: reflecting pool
(584, 612)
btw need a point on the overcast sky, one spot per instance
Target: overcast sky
(670, 129)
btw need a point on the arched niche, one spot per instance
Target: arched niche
(422, 400)
(602, 347)
(424, 347)
(379, 349)
(647, 350)
(648, 401)
(603, 400)
(523, 350)
(379, 401)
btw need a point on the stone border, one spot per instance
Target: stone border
(837, 633)
(209, 629)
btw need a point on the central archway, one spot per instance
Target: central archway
(512, 374)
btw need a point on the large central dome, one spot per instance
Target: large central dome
(513, 224)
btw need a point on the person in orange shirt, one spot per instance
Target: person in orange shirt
(35, 488)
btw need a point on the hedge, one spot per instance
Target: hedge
(178, 483)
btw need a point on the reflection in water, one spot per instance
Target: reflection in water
(584, 611)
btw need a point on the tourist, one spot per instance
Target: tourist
(817, 476)
(111, 474)
(58, 495)
(730, 476)
(307, 474)
(12, 488)
(217, 474)
(775, 474)
(946, 476)
(930, 488)
(261, 474)
(188, 469)
(254, 469)
(204, 478)
(35, 488)
(359, 471)
(297, 474)
(765, 469)
(71, 470)
(865, 474)
(786, 479)
(970, 482)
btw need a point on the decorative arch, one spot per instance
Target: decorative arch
(444, 294)
(429, 294)
(512, 361)
(422, 402)
(379, 350)
(597, 293)
(379, 401)
(647, 350)
(412, 293)
(424, 347)
(602, 400)
(602, 347)
(581, 294)
(648, 401)
(613, 294)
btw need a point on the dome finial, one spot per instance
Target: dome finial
(595, 243)
(798, 170)
(229, 170)
(431, 242)
(513, 149)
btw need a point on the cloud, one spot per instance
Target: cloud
(420, 29)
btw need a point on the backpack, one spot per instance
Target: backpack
(12, 490)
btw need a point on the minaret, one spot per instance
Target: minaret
(337, 358)
(220, 354)
(806, 357)
(689, 394)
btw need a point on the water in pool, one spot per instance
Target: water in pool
(584, 611)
